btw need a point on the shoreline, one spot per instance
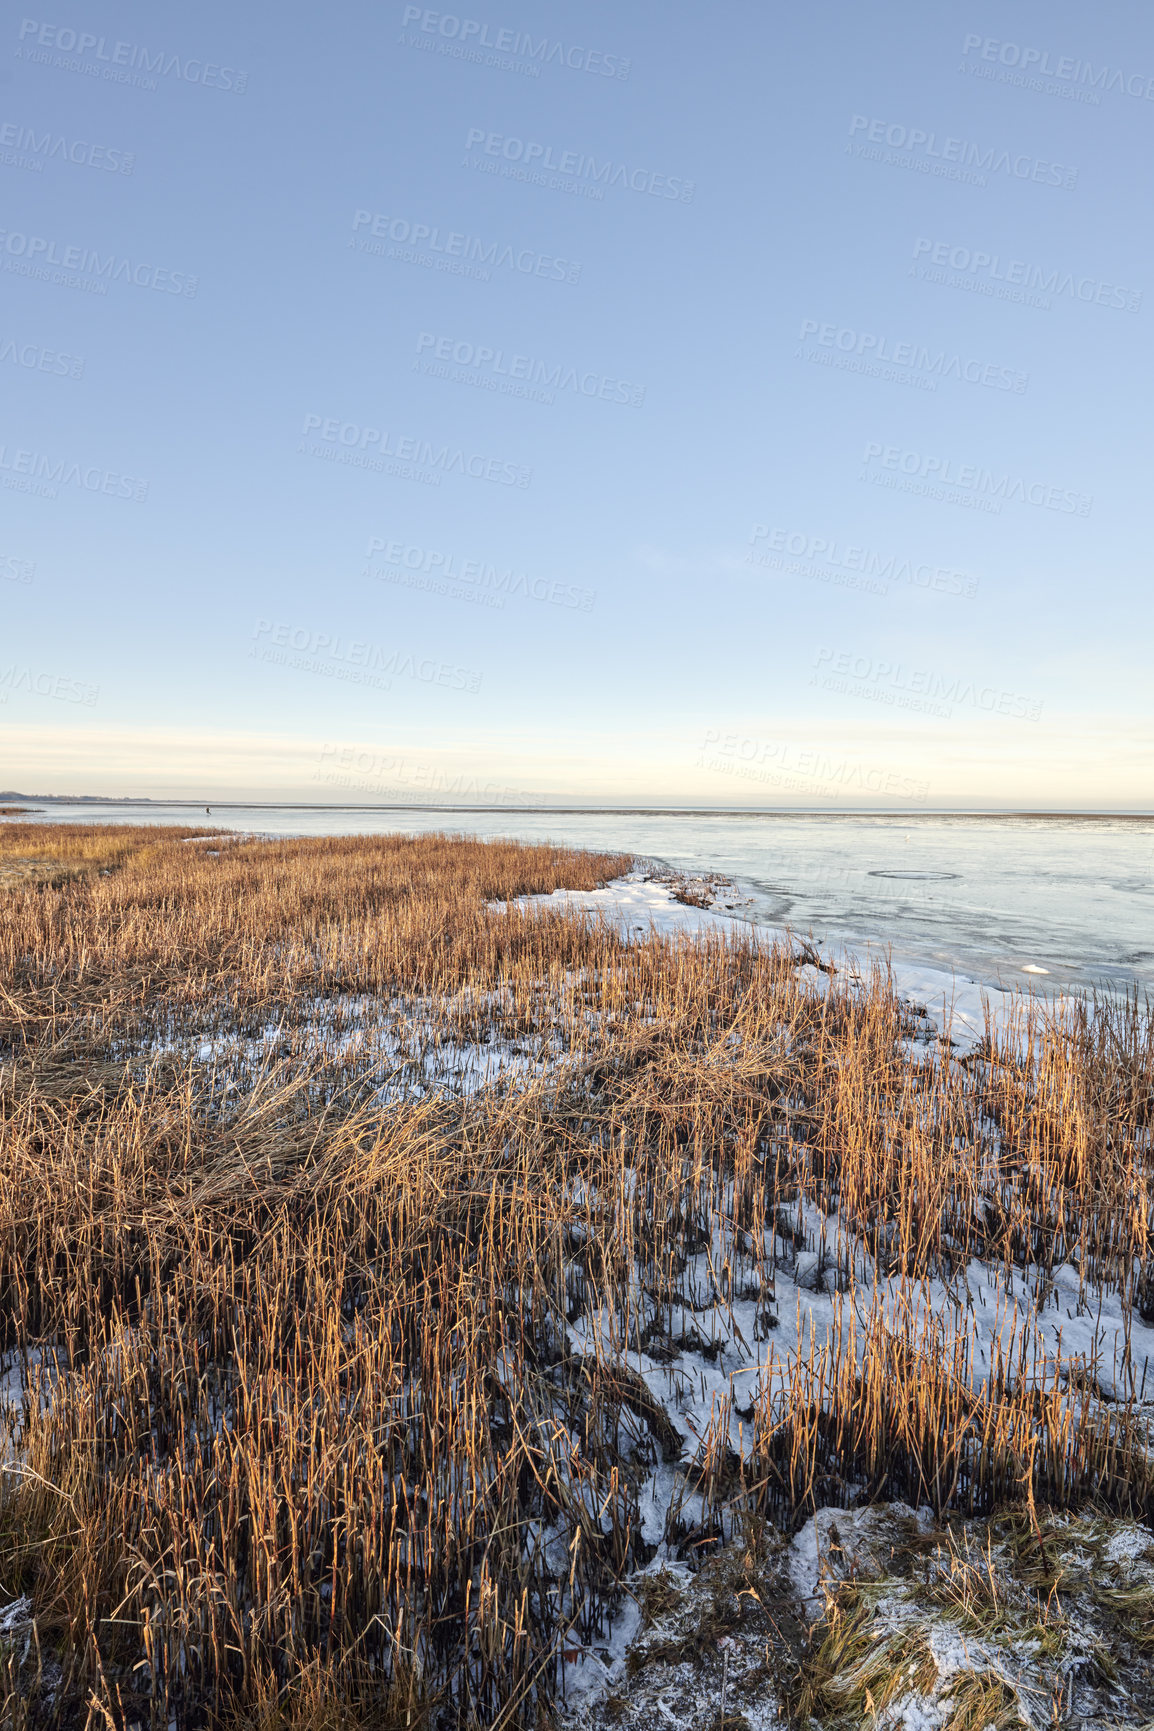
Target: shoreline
(701, 1285)
(810, 877)
(953, 998)
(1127, 814)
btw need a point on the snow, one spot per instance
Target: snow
(956, 1005)
(1127, 1545)
(634, 905)
(408, 1047)
(837, 1544)
(998, 1311)
(16, 1617)
(595, 1667)
(19, 1370)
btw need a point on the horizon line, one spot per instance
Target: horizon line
(577, 810)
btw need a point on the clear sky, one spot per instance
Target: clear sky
(722, 405)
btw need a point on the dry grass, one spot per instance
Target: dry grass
(856, 1670)
(38, 853)
(306, 1441)
(982, 1701)
(1133, 1610)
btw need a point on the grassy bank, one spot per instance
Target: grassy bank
(390, 1284)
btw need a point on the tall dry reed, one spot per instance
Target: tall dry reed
(333, 1409)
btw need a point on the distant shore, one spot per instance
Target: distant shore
(1128, 814)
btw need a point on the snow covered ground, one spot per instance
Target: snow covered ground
(644, 902)
(884, 1617)
(741, 1342)
(728, 1335)
(405, 1048)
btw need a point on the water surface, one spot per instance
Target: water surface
(1042, 901)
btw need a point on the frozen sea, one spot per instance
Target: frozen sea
(1050, 902)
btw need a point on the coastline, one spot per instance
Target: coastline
(567, 1248)
(961, 1008)
(1062, 903)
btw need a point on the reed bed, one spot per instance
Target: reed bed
(387, 1277)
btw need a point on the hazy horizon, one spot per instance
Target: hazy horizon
(225, 802)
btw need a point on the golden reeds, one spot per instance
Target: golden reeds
(341, 1365)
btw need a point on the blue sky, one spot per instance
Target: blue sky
(721, 406)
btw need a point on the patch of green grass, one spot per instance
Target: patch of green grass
(856, 1669)
(981, 1701)
(1133, 1609)
(1002, 1594)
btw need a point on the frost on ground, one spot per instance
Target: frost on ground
(407, 1047)
(884, 1616)
(879, 1614)
(742, 1326)
(399, 1048)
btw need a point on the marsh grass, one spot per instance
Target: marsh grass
(333, 1411)
(39, 853)
(856, 1669)
(982, 1701)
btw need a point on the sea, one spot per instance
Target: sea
(1036, 902)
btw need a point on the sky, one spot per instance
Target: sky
(728, 405)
